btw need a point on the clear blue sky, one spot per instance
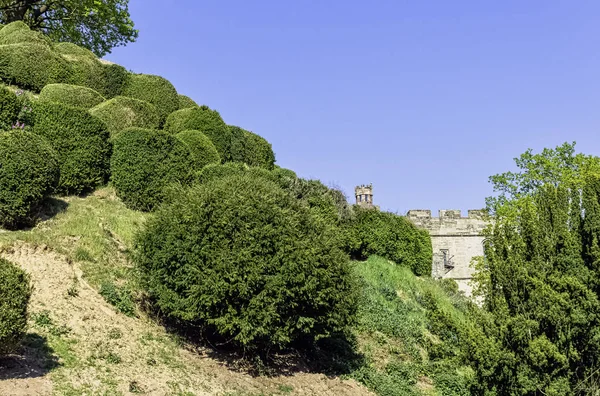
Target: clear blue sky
(424, 99)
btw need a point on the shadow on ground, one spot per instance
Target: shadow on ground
(33, 359)
(332, 357)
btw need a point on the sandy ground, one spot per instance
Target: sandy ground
(110, 353)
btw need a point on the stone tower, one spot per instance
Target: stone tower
(455, 241)
(364, 195)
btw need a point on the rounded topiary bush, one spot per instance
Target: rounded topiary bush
(250, 148)
(186, 102)
(72, 95)
(153, 89)
(31, 65)
(115, 77)
(145, 162)
(19, 32)
(241, 257)
(73, 50)
(28, 174)
(205, 120)
(202, 149)
(121, 113)
(15, 291)
(390, 236)
(81, 142)
(9, 108)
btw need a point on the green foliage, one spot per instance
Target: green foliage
(28, 174)
(98, 25)
(412, 333)
(144, 163)
(72, 95)
(217, 171)
(186, 102)
(81, 141)
(539, 276)
(390, 236)
(73, 50)
(14, 299)
(18, 32)
(153, 89)
(115, 77)
(250, 148)
(551, 166)
(206, 121)
(240, 256)
(121, 113)
(9, 108)
(119, 297)
(31, 65)
(202, 149)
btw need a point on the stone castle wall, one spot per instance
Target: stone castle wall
(455, 241)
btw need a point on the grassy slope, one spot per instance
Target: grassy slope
(408, 333)
(403, 330)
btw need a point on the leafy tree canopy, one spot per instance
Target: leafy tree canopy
(551, 166)
(98, 25)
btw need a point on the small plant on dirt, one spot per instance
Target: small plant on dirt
(115, 334)
(135, 387)
(73, 290)
(112, 358)
(286, 388)
(119, 297)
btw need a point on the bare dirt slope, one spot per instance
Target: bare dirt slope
(79, 345)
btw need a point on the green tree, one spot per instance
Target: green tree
(98, 25)
(540, 275)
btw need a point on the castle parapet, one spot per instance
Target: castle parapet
(419, 214)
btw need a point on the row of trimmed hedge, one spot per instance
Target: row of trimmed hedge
(15, 291)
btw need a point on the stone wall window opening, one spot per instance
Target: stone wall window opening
(447, 259)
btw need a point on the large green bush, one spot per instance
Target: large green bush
(202, 149)
(218, 171)
(28, 174)
(390, 236)
(31, 65)
(145, 162)
(81, 141)
(9, 108)
(240, 256)
(250, 148)
(153, 89)
(115, 77)
(206, 121)
(86, 70)
(121, 113)
(18, 32)
(186, 102)
(15, 291)
(72, 95)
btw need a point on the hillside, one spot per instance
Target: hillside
(79, 344)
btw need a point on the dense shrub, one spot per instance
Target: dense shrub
(250, 148)
(72, 95)
(15, 291)
(81, 141)
(115, 77)
(145, 162)
(206, 121)
(70, 49)
(121, 113)
(153, 89)
(240, 256)
(202, 149)
(218, 171)
(186, 102)
(18, 32)
(31, 65)
(88, 71)
(390, 236)
(9, 108)
(28, 174)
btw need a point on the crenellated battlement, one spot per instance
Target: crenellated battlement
(446, 214)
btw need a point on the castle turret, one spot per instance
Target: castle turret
(364, 195)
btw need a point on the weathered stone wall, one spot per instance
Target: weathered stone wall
(455, 241)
